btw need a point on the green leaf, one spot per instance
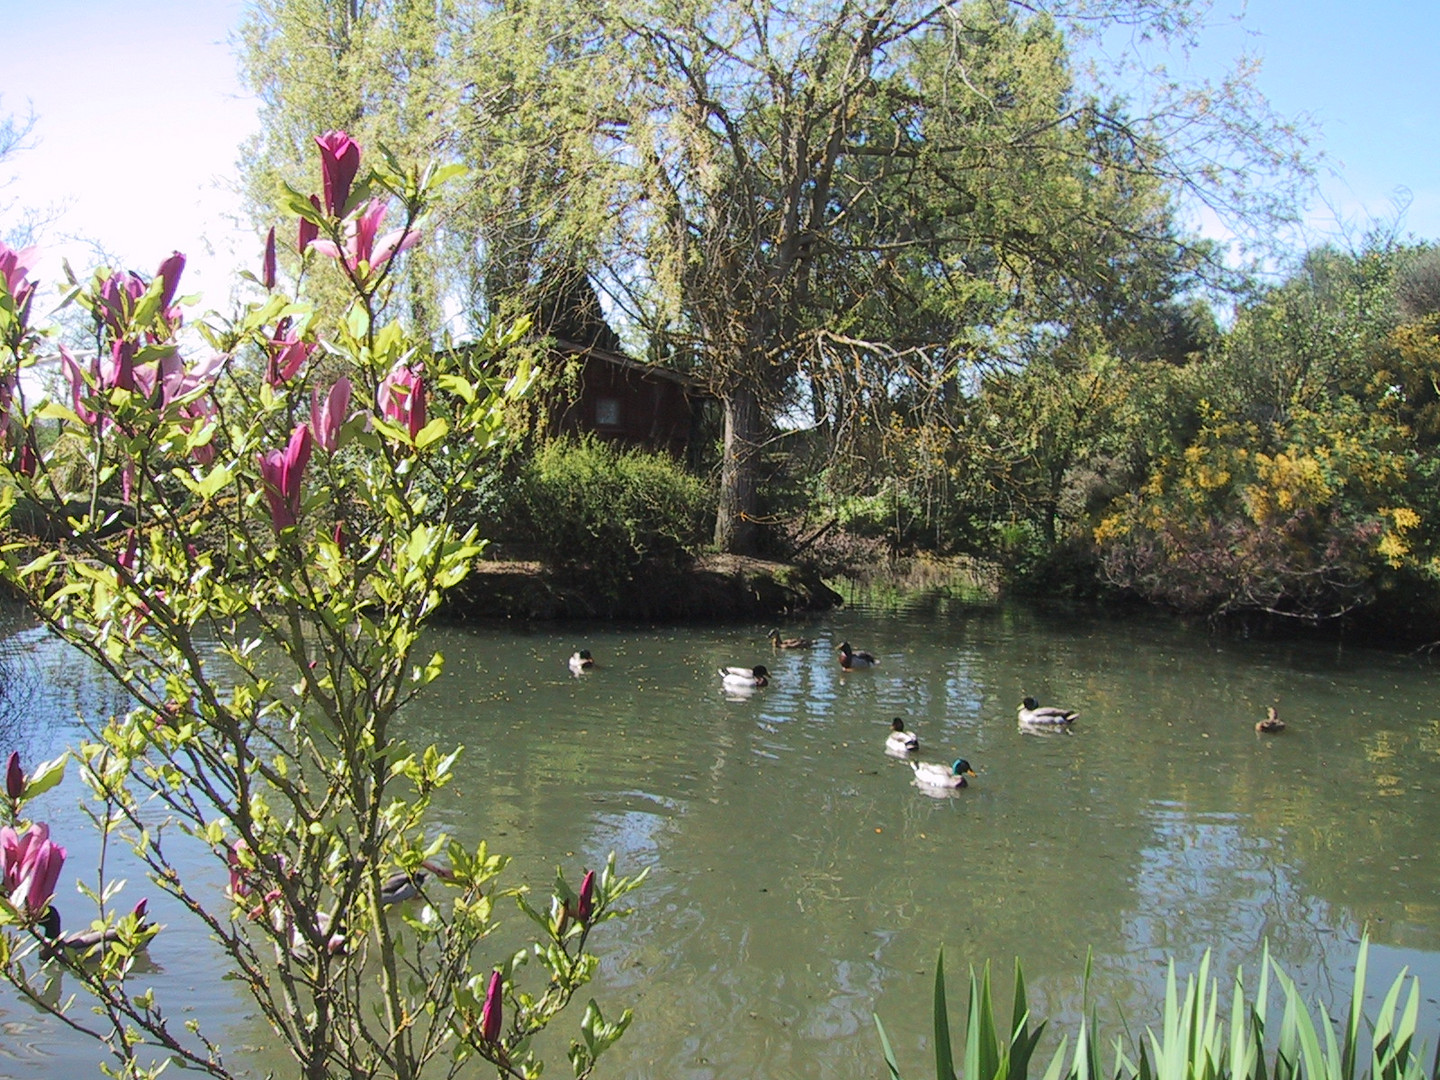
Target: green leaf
(53, 410)
(45, 776)
(357, 321)
(461, 388)
(885, 1049)
(432, 432)
(212, 483)
(446, 173)
(299, 204)
(944, 1061)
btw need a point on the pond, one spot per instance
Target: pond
(800, 881)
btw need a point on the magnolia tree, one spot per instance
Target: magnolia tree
(250, 546)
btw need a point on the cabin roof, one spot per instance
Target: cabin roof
(693, 387)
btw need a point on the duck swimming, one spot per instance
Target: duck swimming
(1272, 724)
(83, 942)
(853, 659)
(790, 642)
(1032, 712)
(929, 774)
(402, 885)
(744, 678)
(900, 741)
(581, 662)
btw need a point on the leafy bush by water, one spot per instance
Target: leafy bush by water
(1194, 1042)
(591, 510)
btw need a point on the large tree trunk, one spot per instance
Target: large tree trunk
(736, 530)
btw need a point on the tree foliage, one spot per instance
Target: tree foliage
(818, 209)
(1303, 491)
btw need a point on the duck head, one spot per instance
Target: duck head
(962, 767)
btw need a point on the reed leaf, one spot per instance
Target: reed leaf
(1357, 1002)
(885, 1048)
(944, 1060)
(1022, 1040)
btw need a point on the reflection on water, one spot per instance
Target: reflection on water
(801, 881)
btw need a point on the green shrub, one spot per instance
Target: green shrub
(591, 510)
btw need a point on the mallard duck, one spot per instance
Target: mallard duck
(402, 885)
(744, 678)
(1272, 724)
(328, 929)
(942, 776)
(851, 659)
(1031, 712)
(81, 942)
(581, 662)
(900, 741)
(790, 642)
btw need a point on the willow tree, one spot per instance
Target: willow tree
(827, 193)
(510, 91)
(805, 202)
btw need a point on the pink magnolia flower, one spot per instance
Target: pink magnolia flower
(308, 230)
(341, 540)
(585, 905)
(80, 387)
(267, 266)
(159, 374)
(164, 382)
(117, 300)
(362, 248)
(14, 776)
(286, 354)
(11, 853)
(239, 873)
(200, 411)
(30, 867)
(339, 162)
(14, 265)
(491, 1013)
(119, 374)
(283, 471)
(8, 385)
(328, 415)
(401, 397)
(169, 277)
(173, 379)
(118, 295)
(130, 556)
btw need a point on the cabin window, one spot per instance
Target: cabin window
(607, 412)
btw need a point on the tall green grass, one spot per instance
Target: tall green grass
(1195, 1039)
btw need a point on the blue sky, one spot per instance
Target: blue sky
(141, 117)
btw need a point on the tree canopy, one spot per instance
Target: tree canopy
(818, 209)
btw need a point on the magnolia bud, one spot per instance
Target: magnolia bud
(14, 776)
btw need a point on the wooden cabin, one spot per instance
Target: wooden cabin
(625, 401)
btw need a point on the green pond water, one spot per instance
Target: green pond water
(799, 881)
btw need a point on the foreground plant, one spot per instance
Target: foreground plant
(250, 546)
(1194, 1042)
